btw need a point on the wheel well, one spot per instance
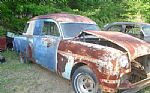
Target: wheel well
(76, 66)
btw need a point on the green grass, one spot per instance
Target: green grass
(15, 76)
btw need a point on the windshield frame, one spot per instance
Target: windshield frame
(64, 37)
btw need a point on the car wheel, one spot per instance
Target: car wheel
(23, 58)
(84, 81)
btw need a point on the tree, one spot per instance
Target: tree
(15, 13)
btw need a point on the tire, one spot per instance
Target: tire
(23, 57)
(84, 81)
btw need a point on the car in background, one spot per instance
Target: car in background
(139, 30)
(6, 42)
(2, 43)
(94, 61)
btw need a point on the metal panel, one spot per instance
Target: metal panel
(64, 17)
(45, 49)
(134, 46)
(2, 43)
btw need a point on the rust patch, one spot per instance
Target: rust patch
(101, 59)
(29, 52)
(134, 46)
(64, 17)
(2, 43)
(62, 63)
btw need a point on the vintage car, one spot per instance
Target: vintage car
(139, 30)
(94, 61)
(2, 43)
(6, 42)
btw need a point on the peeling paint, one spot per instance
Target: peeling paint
(131, 44)
(68, 67)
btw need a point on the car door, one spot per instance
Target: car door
(46, 44)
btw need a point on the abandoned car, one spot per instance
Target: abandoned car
(74, 48)
(139, 30)
(2, 43)
(6, 41)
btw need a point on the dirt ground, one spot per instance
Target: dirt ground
(49, 82)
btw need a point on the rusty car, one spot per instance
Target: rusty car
(2, 43)
(6, 41)
(94, 61)
(136, 29)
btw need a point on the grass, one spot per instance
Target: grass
(16, 77)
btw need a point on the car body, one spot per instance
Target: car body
(74, 48)
(2, 43)
(136, 29)
(7, 41)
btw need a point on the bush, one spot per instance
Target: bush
(2, 32)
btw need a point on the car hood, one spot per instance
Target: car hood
(147, 39)
(134, 46)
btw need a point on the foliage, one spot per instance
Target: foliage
(1, 31)
(15, 13)
(137, 10)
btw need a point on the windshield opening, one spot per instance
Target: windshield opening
(71, 30)
(146, 30)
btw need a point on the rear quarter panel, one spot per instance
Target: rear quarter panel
(20, 43)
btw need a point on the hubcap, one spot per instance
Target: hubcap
(86, 84)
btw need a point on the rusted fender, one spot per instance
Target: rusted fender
(101, 59)
(134, 46)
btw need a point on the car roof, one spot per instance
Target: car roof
(137, 23)
(126, 23)
(65, 17)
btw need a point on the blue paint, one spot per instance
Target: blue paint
(38, 27)
(20, 44)
(45, 55)
(42, 52)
